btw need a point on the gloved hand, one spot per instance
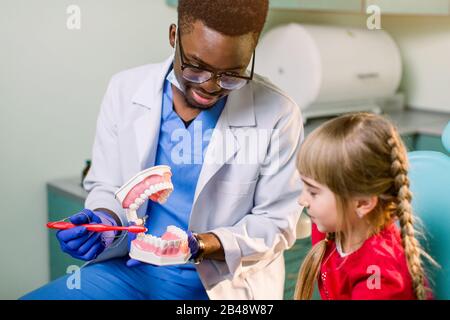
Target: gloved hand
(81, 243)
(192, 244)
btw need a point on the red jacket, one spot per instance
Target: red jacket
(377, 270)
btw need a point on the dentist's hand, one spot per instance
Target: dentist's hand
(81, 243)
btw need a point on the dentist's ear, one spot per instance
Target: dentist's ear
(173, 35)
(365, 205)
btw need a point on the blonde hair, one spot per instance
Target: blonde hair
(361, 154)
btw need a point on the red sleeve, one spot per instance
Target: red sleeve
(316, 235)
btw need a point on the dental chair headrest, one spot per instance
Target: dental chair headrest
(446, 137)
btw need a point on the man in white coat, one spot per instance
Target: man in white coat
(235, 187)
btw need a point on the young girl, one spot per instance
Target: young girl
(356, 190)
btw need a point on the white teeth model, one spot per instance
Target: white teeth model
(140, 182)
(158, 251)
(178, 232)
(167, 186)
(172, 248)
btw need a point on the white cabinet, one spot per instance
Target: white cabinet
(401, 7)
(318, 5)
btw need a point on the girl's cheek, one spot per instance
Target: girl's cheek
(332, 222)
(325, 215)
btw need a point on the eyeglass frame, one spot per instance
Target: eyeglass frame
(214, 74)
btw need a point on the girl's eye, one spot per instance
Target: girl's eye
(313, 194)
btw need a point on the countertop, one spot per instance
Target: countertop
(407, 121)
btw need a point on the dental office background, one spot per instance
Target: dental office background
(54, 72)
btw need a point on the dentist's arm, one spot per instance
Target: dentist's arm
(104, 176)
(111, 214)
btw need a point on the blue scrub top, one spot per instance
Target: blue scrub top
(182, 149)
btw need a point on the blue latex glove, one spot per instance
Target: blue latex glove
(81, 243)
(192, 243)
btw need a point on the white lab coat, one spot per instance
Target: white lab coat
(250, 205)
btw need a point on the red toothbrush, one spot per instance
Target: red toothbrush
(62, 225)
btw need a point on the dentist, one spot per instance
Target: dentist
(231, 139)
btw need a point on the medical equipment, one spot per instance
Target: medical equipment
(329, 70)
(153, 183)
(172, 248)
(429, 174)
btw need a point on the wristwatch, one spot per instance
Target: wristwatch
(201, 249)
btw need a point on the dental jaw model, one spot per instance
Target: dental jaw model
(172, 248)
(155, 184)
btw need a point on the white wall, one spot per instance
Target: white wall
(424, 42)
(52, 81)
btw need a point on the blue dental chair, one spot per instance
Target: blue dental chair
(430, 184)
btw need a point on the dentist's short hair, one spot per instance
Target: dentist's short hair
(229, 17)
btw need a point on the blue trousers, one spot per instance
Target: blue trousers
(113, 280)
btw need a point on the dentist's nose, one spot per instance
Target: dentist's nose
(211, 86)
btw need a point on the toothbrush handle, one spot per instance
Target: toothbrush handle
(62, 225)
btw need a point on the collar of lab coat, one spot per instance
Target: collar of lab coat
(238, 112)
(239, 108)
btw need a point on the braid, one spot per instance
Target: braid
(413, 251)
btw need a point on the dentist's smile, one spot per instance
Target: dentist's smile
(202, 99)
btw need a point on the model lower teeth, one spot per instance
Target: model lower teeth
(172, 248)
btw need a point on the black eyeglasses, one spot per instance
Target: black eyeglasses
(226, 80)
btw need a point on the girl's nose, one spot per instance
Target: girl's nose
(304, 204)
(302, 201)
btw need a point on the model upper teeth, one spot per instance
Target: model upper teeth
(152, 190)
(178, 232)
